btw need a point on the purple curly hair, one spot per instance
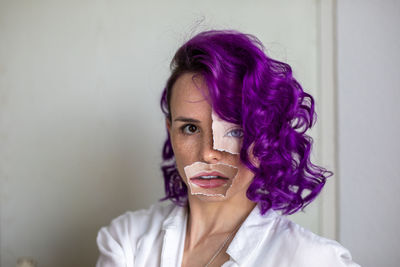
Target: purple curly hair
(259, 93)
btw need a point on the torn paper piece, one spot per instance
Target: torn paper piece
(226, 136)
(210, 179)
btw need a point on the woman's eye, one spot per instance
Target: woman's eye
(190, 129)
(237, 133)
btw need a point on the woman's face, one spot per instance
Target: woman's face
(191, 136)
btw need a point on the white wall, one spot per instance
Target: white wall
(369, 129)
(80, 127)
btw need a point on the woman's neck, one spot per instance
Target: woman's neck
(213, 218)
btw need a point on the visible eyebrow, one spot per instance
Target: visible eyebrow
(186, 119)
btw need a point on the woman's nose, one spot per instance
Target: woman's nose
(209, 154)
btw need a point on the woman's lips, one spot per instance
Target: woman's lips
(209, 180)
(208, 173)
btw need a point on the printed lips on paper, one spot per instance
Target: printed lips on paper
(210, 179)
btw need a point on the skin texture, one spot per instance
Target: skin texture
(211, 218)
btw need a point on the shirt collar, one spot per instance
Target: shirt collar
(177, 218)
(174, 227)
(253, 231)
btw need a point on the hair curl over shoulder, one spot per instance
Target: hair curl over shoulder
(260, 94)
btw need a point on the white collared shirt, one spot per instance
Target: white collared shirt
(156, 237)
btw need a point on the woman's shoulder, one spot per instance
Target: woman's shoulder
(131, 226)
(141, 221)
(156, 212)
(275, 241)
(288, 229)
(119, 242)
(305, 247)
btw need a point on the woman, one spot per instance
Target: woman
(236, 153)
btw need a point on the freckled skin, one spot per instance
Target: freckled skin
(189, 101)
(211, 218)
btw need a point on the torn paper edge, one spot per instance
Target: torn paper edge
(216, 119)
(213, 164)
